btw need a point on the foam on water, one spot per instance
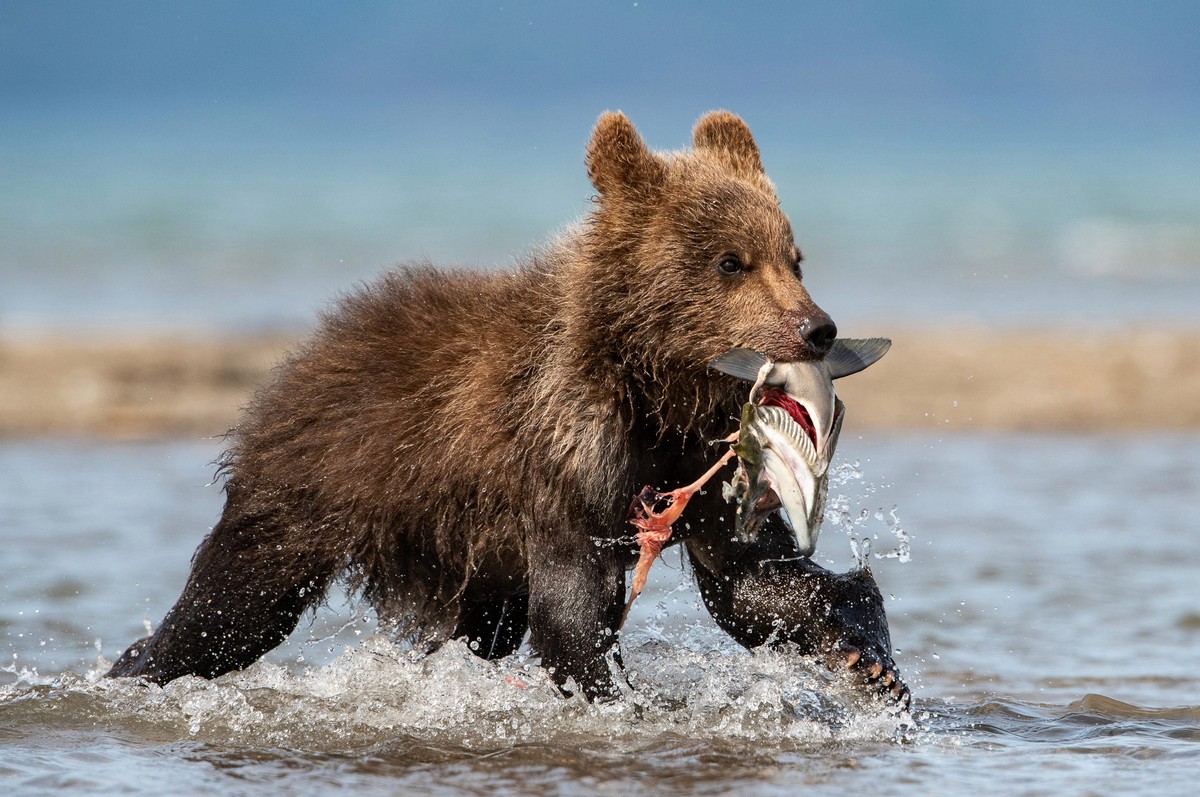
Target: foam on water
(702, 687)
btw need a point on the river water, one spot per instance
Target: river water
(1042, 595)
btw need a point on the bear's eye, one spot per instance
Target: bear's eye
(796, 269)
(730, 265)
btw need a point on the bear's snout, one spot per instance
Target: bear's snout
(804, 333)
(818, 331)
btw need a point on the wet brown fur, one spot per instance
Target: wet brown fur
(450, 439)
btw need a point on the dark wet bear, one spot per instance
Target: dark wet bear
(462, 447)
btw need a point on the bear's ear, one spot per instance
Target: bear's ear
(727, 137)
(618, 159)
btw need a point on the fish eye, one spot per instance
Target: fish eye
(730, 265)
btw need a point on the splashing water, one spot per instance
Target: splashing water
(702, 686)
(903, 551)
(855, 522)
(862, 552)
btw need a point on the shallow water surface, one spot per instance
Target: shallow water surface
(1041, 594)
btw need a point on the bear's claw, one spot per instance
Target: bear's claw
(883, 677)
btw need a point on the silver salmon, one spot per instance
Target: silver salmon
(788, 433)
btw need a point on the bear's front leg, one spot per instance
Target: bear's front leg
(765, 594)
(576, 596)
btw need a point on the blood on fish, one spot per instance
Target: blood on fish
(774, 397)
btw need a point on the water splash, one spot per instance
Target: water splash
(903, 550)
(847, 513)
(699, 685)
(862, 552)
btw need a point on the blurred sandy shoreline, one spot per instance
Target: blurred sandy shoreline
(149, 385)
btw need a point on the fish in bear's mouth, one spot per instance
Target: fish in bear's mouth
(787, 436)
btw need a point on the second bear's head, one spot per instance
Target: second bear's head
(690, 252)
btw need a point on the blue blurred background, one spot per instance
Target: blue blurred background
(227, 166)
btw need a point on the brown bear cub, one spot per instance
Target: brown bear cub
(462, 447)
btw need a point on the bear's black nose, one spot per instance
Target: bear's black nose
(819, 332)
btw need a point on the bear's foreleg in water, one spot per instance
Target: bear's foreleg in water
(765, 593)
(576, 599)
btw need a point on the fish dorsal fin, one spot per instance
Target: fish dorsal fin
(742, 363)
(851, 355)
